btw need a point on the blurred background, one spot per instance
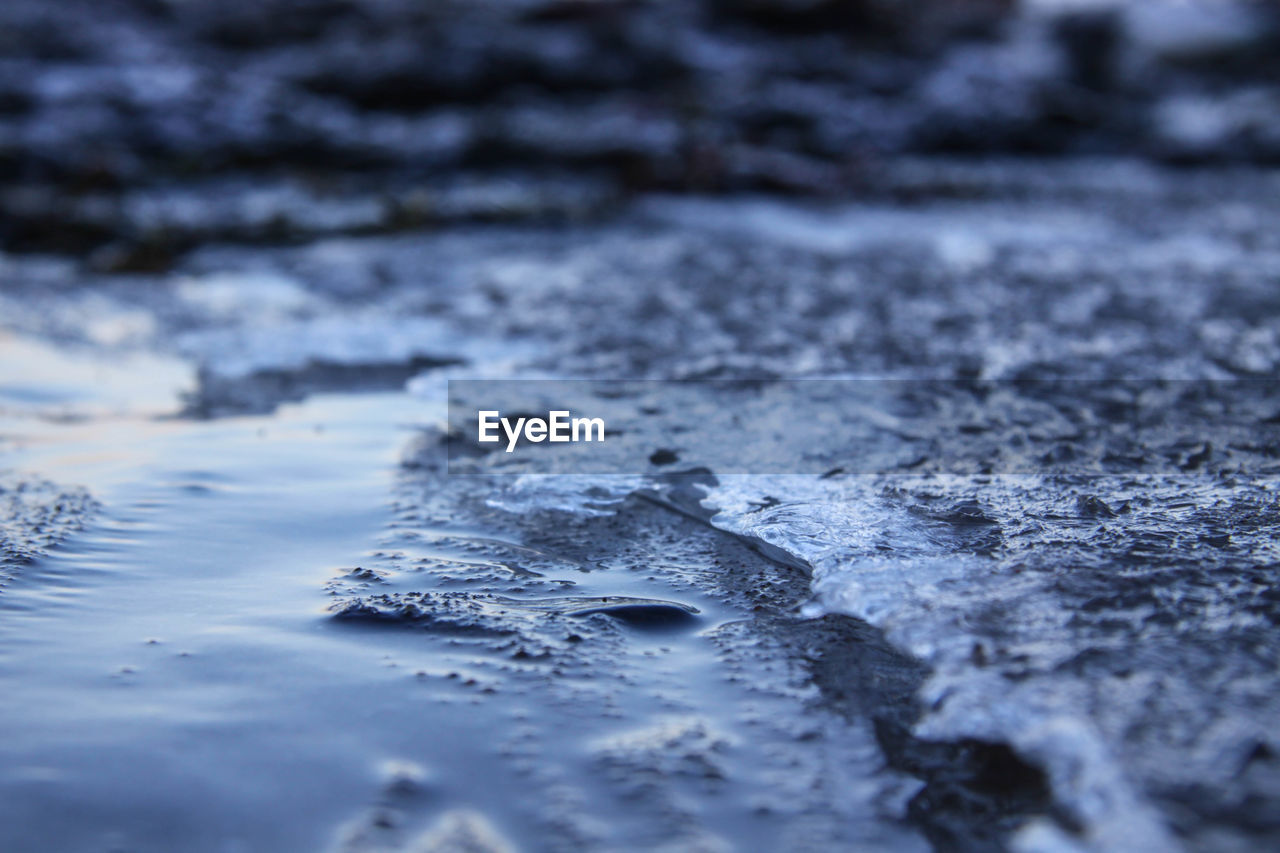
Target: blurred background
(131, 130)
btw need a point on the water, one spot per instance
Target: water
(171, 656)
(354, 650)
(178, 677)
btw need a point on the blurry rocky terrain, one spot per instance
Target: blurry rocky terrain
(138, 128)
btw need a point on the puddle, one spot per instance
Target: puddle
(176, 667)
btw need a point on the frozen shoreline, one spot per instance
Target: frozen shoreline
(1001, 269)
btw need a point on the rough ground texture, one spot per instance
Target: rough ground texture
(940, 648)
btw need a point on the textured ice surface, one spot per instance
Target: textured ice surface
(1115, 630)
(1078, 614)
(679, 711)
